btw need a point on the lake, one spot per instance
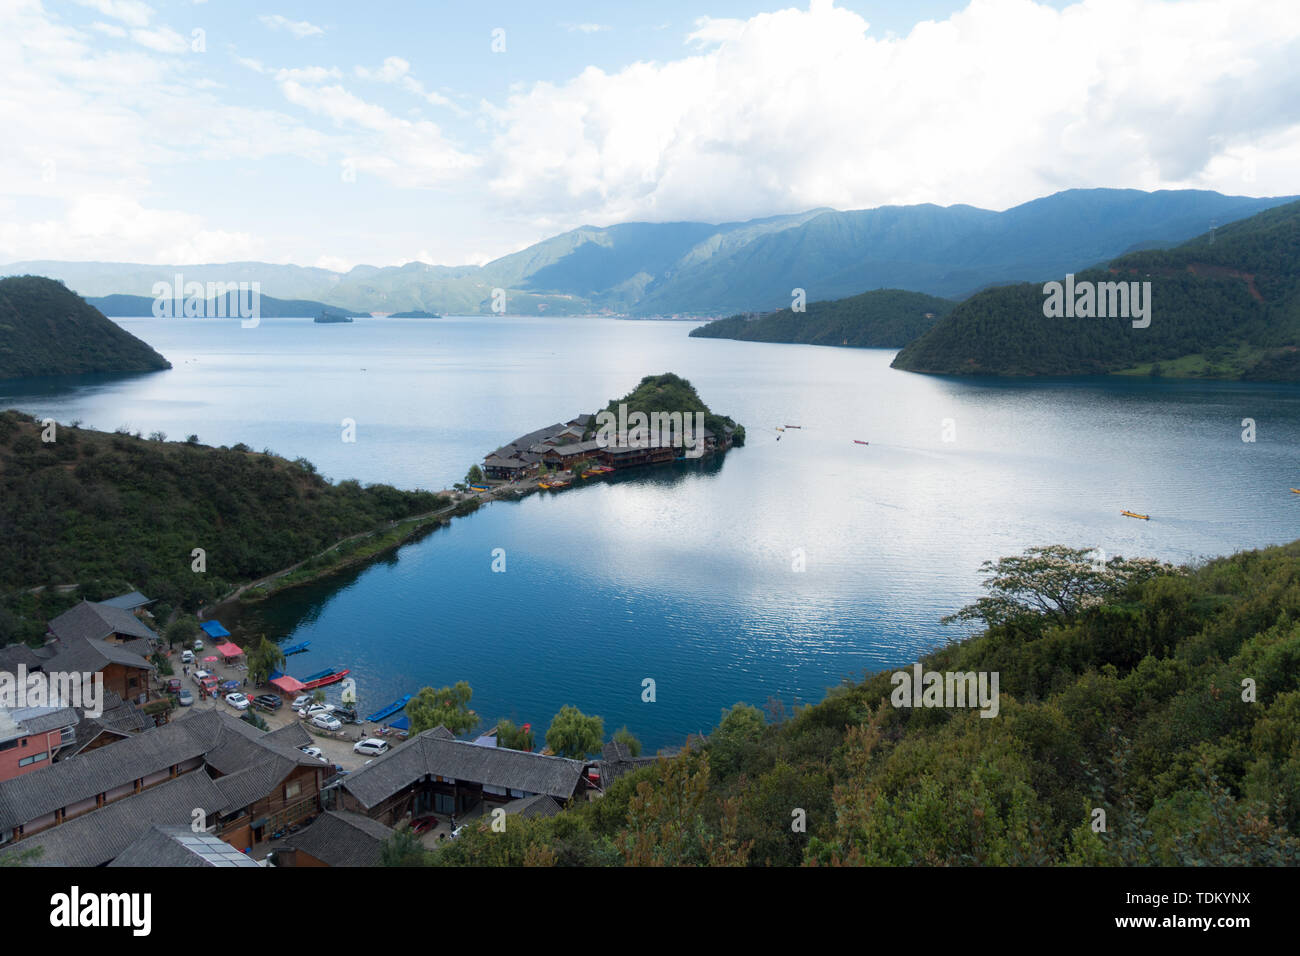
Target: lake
(686, 575)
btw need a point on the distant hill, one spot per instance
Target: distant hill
(135, 306)
(1224, 305)
(694, 268)
(47, 329)
(886, 318)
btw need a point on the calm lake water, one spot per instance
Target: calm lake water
(685, 575)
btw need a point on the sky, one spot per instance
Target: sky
(336, 134)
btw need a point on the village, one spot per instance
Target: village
(172, 770)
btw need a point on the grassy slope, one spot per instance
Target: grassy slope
(45, 329)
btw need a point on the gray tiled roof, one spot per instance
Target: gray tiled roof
(98, 621)
(87, 655)
(97, 837)
(431, 753)
(179, 846)
(229, 745)
(127, 602)
(339, 838)
(529, 807)
(15, 654)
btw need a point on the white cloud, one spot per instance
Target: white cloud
(586, 27)
(308, 74)
(131, 12)
(161, 39)
(299, 28)
(397, 71)
(1004, 101)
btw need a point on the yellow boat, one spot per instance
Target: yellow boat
(1134, 514)
(543, 485)
(1296, 490)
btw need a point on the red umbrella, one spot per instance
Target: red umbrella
(209, 660)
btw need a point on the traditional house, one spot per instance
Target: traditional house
(435, 773)
(126, 672)
(180, 846)
(336, 838)
(31, 737)
(254, 782)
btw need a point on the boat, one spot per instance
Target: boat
(391, 709)
(542, 484)
(321, 678)
(559, 484)
(1296, 490)
(295, 648)
(857, 442)
(329, 318)
(1134, 514)
(479, 488)
(794, 426)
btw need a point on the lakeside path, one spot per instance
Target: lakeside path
(416, 520)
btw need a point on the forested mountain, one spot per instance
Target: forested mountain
(1224, 305)
(886, 318)
(46, 329)
(705, 269)
(135, 306)
(93, 507)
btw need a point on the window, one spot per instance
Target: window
(292, 790)
(34, 758)
(8, 744)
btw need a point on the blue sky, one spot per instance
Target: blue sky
(334, 134)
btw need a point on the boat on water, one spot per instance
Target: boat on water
(859, 442)
(794, 426)
(1296, 490)
(295, 648)
(1134, 514)
(327, 676)
(391, 709)
(559, 484)
(542, 484)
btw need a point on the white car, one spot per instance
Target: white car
(187, 657)
(326, 722)
(314, 752)
(237, 701)
(370, 747)
(301, 701)
(315, 710)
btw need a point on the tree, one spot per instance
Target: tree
(191, 439)
(573, 734)
(181, 631)
(625, 737)
(263, 659)
(1055, 582)
(513, 737)
(448, 706)
(474, 476)
(403, 848)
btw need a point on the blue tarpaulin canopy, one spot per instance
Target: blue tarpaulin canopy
(214, 629)
(401, 723)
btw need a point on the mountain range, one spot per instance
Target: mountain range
(697, 268)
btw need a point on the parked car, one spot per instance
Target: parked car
(345, 714)
(185, 698)
(370, 747)
(326, 722)
(313, 752)
(237, 701)
(200, 676)
(187, 657)
(198, 644)
(316, 709)
(270, 702)
(173, 685)
(301, 701)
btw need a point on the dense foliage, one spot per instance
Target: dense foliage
(1225, 305)
(46, 329)
(884, 319)
(98, 511)
(671, 393)
(1169, 699)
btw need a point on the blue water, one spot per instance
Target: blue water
(685, 575)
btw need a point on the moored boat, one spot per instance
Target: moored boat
(1134, 514)
(859, 442)
(391, 709)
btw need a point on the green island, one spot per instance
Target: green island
(1225, 305)
(885, 318)
(47, 329)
